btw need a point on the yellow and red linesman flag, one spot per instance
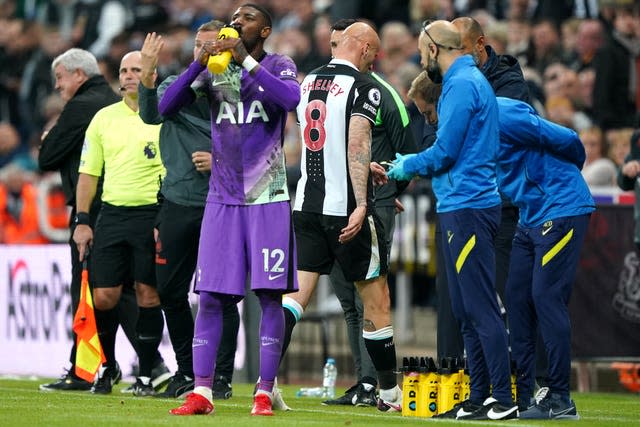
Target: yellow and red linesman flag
(89, 354)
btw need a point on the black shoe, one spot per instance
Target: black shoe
(366, 398)
(141, 389)
(179, 386)
(221, 388)
(107, 378)
(67, 382)
(491, 409)
(551, 406)
(463, 409)
(348, 398)
(357, 395)
(160, 375)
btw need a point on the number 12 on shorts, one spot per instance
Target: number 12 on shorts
(273, 260)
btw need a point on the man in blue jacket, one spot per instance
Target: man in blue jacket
(505, 77)
(539, 170)
(462, 165)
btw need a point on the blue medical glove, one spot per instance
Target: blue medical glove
(396, 171)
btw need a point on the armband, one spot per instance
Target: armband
(82, 218)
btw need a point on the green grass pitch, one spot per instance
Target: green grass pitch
(22, 404)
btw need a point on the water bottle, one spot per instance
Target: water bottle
(309, 392)
(218, 63)
(329, 376)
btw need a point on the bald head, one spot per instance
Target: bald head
(364, 33)
(439, 46)
(472, 38)
(131, 57)
(445, 34)
(359, 44)
(129, 74)
(469, 28)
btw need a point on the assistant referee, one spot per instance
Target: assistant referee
(120, 146)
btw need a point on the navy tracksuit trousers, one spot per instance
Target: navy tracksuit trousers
(543, 267)
(469, 255)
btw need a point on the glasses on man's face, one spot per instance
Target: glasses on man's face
(425, 24)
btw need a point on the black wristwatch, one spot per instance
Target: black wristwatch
(82, 218)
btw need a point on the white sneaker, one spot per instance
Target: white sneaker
(390, 400)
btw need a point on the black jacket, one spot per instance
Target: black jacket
(505, 76)
(613, 106)
(61, 148)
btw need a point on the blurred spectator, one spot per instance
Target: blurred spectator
(590, 36)
(177, 52)
(518, 35)
(297, 14)
(628, 180)
(223, 9)
(19, 207)
(619, 143)
(9, 143)
(110, 62)
(36, 83)
(401, 80)
(598, 169)
(381, 11)
(497, 37)
(97, 23)
(60, 14)
(551, 78)
(484, 18)
(616, 90)
(521, 10)
(18, 39)
(560, 109)
(420, 10)
(559, 80)
(569, 35)
(24, 9)
(193, 13)
(536, 92)
(321, 43)
(148, 16)
(397, 46)
(584, 101)
(554, 11)
(7, 9)
(586, 9)
(295, 44)
(545, 47)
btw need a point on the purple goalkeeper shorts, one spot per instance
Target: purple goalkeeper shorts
(236, 240)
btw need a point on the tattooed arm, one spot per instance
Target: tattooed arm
(359, 156)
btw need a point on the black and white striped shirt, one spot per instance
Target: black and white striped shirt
(331, 95)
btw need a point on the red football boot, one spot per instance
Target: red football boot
(196, 404)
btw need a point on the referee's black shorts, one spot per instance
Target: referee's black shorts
(123, 245)
(362, 258)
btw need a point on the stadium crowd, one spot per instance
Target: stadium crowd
(580, 61)
(577, 61)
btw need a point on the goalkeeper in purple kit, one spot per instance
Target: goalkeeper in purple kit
(248, 200)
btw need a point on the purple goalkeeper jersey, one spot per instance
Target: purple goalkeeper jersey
(248, 116)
